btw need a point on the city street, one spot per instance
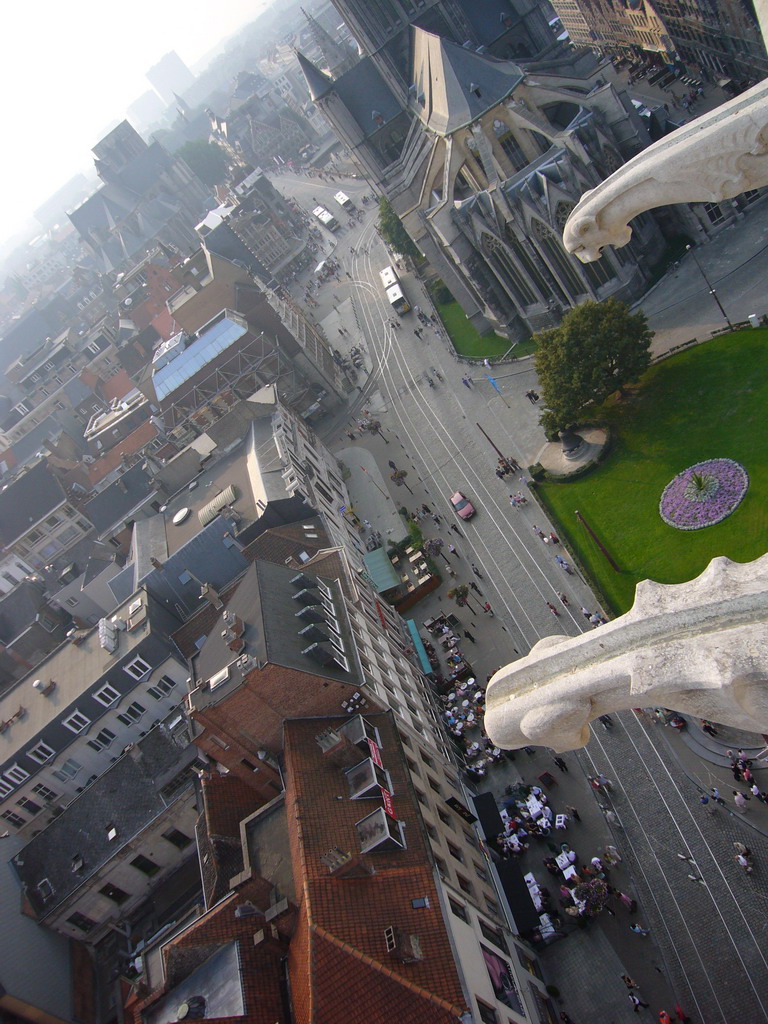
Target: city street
(705, 914)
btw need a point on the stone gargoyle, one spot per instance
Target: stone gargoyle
(699, 647)
(718, 156)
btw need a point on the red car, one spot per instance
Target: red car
(463, 506)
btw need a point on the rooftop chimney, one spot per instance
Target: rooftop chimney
(211, 595)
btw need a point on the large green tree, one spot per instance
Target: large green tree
(599, 348)
(393, 232)
(205, 159)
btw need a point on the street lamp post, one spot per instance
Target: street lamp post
(712, 291)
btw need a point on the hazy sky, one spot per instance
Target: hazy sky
(69, 69)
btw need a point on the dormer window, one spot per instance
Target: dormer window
(367, 780)
(379, 831)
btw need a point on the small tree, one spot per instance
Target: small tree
(460, 594)
(205, 159)
(399, 476)
(393, 232)
(594, 895)
(434, 547)
(373, 427)
(599, 348)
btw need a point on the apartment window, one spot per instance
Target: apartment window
(68, 770)
(471, 838)
(81, 922)
(405, 741)
(412, 766)
(162, 687)
(434, 785)
(427, 760)
(145, 865)
(494, 935)
(102, 740)
(137, 668)
(420, 796)
(13, 818)
(107, 695)
(176, 838)
(431, 830)
(487, 1013)
(481, 873)
(28, 805)
(114, 893)
(464, 884)
(458, 910)
(16, 775)
(5, 788)
(77, 721)
(528, 962)
(493, 906)
(132, 713)
(441, 866)
(44, 792)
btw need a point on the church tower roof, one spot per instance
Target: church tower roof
(338, 56)
(318, 83)
(454, 85)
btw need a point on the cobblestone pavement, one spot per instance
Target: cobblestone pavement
(710, 928)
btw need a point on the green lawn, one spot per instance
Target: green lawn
(468, 342)
(707, 402)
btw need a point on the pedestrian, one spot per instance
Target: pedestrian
(573, 813)
(755, 790)
(740, 800)
(743, 861)
(552, 608)
(664, 1017)
(612, 855)
(636, 1002)
(487, 608)
(635, 927)
(351, 436)
(424, 508)
(466, 382)
(469, 637)
(708, 728)
(628, 981)
(436, 519)
(585, 612)
(539, 533)
(604, 782)
(560, 764)
(476, 589)
(450, 571)
(562, 597)
(716, 796)
(565, 1018)
(455, 529)
(554, 539)
(476, 571)
(367, 524)
(453, 550)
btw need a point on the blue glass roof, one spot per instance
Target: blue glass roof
(198, 354)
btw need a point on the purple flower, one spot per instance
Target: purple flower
(692, 510)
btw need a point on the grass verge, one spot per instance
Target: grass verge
(706, 402)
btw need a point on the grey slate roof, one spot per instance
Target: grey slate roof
(128, 796)
(265, 601)
(366, 94)
(27, 500)
(117, 501)
(27, 949)
(454, 86)
(18, 609)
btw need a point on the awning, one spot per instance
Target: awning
(525, 915)
(209, 512)
(418, 643)
(488, 814)
(722, 82)
(381, 570)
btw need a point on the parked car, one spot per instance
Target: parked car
(463, 506)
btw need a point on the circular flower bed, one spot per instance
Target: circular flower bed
(703, 494)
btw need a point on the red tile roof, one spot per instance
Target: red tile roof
(339, 965)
